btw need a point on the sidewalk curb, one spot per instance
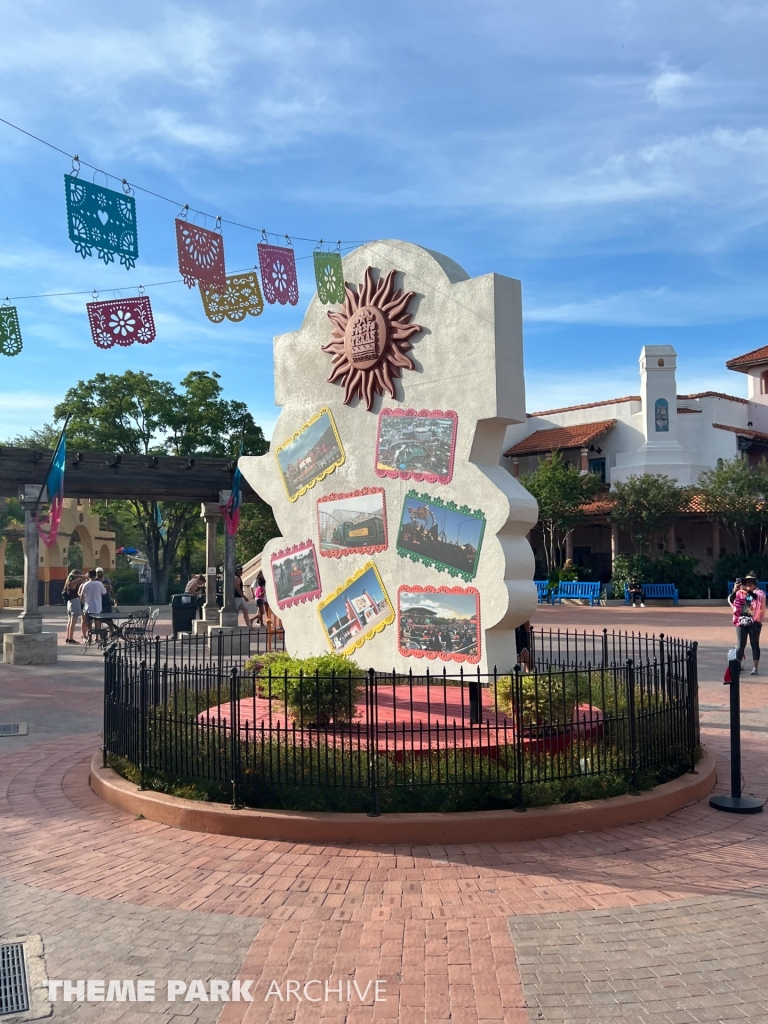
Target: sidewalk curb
(413, 829)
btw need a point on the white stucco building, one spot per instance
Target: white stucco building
(654, 431)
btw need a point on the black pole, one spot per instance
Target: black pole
(736, 803)
(373, 743)
(475, 702)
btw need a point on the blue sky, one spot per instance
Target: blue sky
(611, 154)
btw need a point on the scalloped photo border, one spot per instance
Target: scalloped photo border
(310, 595)
(432, 563)
(325, 411)
(432, 478)
(376, 628)
(406, 652)
(369, 549)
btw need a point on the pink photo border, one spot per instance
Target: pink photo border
(312, 595)
(413, 588)
(432, 478)
(373, 548)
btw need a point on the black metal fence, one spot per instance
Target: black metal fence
(590, 714)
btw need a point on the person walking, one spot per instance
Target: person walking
(748, 612)
(241, 605)
(260, 591)
(72, 585)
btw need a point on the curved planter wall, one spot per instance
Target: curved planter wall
(414, 829)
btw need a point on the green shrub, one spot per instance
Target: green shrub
(729, 567)
(678, 569)
(322, 689)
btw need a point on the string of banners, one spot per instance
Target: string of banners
(102, 220)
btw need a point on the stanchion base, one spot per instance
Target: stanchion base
(737, 804)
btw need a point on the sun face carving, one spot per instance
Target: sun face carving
(370, 338)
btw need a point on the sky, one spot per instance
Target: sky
(611, 154)
(448, 606)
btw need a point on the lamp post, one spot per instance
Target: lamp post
(736, 803)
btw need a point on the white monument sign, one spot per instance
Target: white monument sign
(403, 540)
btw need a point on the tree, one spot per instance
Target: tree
(646, 506)
(562, 491)
(132, 413)
(735, 494)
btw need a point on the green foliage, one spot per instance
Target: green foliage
(729, 567)
(133, 413)
(257, 526)
(646, 506)
(735, 493)
(45, 437)
(324, 688)
(549, 698)
(561, 491)
(679, 569)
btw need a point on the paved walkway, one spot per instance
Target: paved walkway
(658, 922)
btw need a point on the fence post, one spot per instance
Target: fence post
(142, 725)
(234, 737)
(605, 648)
(517, 710)
(693, 702)
(632, 723)
(373, 739)
(108, 679)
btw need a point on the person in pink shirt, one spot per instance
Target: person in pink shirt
(748, 611)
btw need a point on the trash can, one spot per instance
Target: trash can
(183, 612)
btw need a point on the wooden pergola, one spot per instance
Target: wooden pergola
(203, 480)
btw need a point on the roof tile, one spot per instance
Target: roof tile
(576, 436)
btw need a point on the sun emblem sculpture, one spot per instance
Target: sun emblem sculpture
(370, 338)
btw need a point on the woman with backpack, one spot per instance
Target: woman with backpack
(748, 612)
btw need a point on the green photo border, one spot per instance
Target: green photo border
(432, 563)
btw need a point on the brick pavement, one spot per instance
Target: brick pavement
(432, 921)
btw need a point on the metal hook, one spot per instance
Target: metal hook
(75, 166)
(127, 188)
(264, 238)
(319, 246)
(338, 247)
(218, 223)
(182, 214)
(288, 241)
(141, 290)
(106, 179)
(94, 294)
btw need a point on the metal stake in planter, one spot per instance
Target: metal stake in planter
(736, 803)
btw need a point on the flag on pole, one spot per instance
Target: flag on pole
(54, 483)
(160, 522)
(231, 510)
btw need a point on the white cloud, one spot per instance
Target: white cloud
(668, 86)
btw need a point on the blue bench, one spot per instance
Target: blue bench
(585, 591)
(654, 591)
(542, 589)
(763, 585)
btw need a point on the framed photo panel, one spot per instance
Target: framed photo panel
(352, 524)
(296, 575)
(356, 610)
(441, 534)
(413, 445)
(440, 623)
(310, 454)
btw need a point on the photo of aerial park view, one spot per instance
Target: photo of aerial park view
(355, 612)
(447, 538)
(416, 445)
(308, 455)
(442, 620)
(350, 523)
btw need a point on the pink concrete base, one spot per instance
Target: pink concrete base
(412, 829)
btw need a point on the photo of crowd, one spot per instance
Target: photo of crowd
(439, 622)
(443, 537)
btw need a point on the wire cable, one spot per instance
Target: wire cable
(173, 202)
